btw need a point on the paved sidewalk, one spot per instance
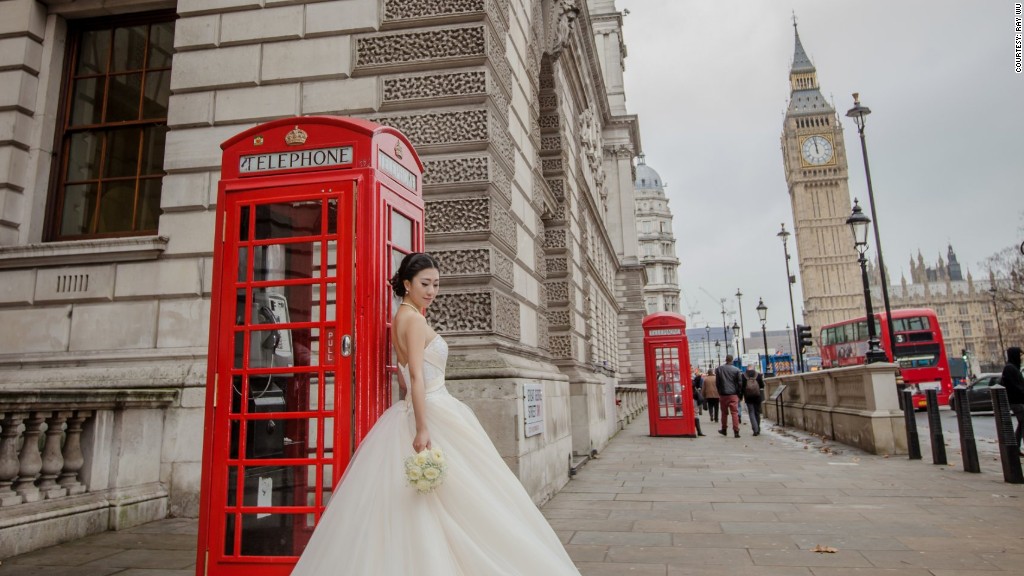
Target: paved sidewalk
(753, 506)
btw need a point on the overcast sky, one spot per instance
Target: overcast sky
(709, 80)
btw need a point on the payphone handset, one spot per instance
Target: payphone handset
(270, 348)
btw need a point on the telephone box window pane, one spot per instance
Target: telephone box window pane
(84, 157)
(287, 220)
(124, 97)
(93, 52)
(270, 534)
(401, 231)
(117, 201)
(129, 48)
(122, 154)
(158, 93)
(87, 101)
(77, 212)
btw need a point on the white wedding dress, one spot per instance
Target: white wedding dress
(479, 522)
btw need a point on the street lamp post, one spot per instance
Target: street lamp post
(725, 329)
(858, 113)
(790, 280)
(736, 334)
(707, 330)
(718, 352)
(999, 328)
(762, 313)
(859, 224)
(739, 304)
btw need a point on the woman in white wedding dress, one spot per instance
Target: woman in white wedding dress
(479, 522)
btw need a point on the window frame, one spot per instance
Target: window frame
(64, 131)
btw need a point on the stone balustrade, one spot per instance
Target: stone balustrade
(630, 401)
(857, 405)
(72, 457)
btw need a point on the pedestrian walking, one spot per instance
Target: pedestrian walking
(698, 400)
(1013, 381)
(710, 391)
(698, 383)
(753, 396)
(730, 383)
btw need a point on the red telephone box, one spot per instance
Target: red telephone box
(313, 214)
(667, 367)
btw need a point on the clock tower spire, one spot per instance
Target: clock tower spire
(817, 174)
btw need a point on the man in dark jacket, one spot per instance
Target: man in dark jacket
(1013, 381)
(730, 382)
(753, 394)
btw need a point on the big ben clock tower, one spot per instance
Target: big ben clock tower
(816, 171)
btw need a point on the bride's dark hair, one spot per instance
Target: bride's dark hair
(411, 265)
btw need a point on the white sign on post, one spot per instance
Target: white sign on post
(533, 409)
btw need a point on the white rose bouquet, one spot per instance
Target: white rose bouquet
(426, 471)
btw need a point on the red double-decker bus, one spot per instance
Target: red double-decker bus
(920, 349)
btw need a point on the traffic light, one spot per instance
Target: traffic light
(803, 335)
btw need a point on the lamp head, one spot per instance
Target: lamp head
(859, 224)
(783, 234)
(762, 311)
(858, 112)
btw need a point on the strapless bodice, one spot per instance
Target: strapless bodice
(435, 357)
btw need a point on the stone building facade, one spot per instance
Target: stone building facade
(966, 308)
(657, 241)
(817, 174)
(111, 117)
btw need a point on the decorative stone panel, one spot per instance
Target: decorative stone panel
(435, 86)
(502, 267)
(462, 215)
(557, 264)
(506, 316)
(557, 187)
(455, 170)
(504, 227)
(464, 262)
(502, 183)
(410, 48)
(559, 319)
(549, 122)
(543, 333)
(470, 215)
(555, 238)
(558, 292)
(548, 143)
(552, 165)
(562, 347)
(416, 9)
(461, 312)
(440, 127)
(540, 261)
(548, 101)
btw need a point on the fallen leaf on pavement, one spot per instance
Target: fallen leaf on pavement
(820, 549)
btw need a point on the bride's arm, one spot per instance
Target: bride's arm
(415, 337)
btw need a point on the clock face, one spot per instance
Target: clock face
(816, 150)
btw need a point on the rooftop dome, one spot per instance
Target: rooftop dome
(647, 178)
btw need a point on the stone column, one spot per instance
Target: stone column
(52, 459)
(73, 457)
(30, 462)
(9, 466)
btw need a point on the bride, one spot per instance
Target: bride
(479, 522)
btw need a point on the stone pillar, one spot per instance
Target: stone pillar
(9, 466)
(73, 457)
(52, 459)
(30, 462)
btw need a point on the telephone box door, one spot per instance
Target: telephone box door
(286, 295)
(670, 404)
